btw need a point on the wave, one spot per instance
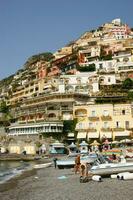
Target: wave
(10, 173)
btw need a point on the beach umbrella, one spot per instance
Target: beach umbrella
(83, 143)
(95, 143)
(72, 145)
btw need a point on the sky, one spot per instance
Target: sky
(29, 27)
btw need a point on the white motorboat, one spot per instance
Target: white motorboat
(104, 168)
(69, 161)
(43, 165)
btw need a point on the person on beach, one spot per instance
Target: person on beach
(77, 164)
(55, 164)
(85, 170)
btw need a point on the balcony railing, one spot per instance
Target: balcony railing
(93, 118)
(118, 129)
(106, 118)
(80, 115)
(91, 130)
(106, 129)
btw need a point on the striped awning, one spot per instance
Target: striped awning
(81, 135)
(93, 135)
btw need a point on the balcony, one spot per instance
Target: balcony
(93, 118)
(106, 129)
(22, 122)
(118, 129)
(81, 115)
(106, 118)
(91, 130)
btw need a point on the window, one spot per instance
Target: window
(123, 112)
(80, 125)
(100, 66)
(93, 113)
(105, 113)
(31, 90)
(105, 125)
(127, 124)
(109, 79)
(117, 124)
(90, 125)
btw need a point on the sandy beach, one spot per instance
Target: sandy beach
(44, 184)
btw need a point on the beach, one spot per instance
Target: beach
(55, 184)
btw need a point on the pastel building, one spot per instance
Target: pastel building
(86, 83)
(103, 120)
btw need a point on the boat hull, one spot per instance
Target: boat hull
(44, 165)
(105, 171)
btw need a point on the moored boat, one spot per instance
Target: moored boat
(105, 168)
(69, 161)
(43, 165)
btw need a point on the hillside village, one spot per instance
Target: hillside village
(83, 91)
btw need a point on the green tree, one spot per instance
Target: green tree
(130, 95)
(69, 125)
(89, 68)
(6, 116)
(127, 84)
(46, 56)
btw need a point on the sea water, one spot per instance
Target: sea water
(10, 169)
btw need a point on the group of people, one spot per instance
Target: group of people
(82, 168)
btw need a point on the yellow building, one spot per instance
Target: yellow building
(103, 120)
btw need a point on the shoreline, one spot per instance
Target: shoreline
(12, 183)
(27, 172)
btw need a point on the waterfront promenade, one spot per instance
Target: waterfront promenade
(44, 184)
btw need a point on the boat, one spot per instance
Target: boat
(43, 165)
(103, 167)
(69, 161)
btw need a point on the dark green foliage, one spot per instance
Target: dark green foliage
(112, 100)
(3, 107)
(127, 84)
(6, 116)
(89, 68)
(46, 56)
(130, 95)
(6, 81)
(69, 125)
(92, 31)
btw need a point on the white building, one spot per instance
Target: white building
(79, 83)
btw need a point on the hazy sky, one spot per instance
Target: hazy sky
(28, 27)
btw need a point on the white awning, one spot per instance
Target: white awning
(81, 135)
(121, 133)
(106, 134)
(93, 135)
(70, 134)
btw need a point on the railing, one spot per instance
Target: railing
(106, 129)
(93, 118)
(80, 115)
(106, 118)
(118, 129)
(91, 130)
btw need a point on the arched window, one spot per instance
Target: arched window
(52, 115)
